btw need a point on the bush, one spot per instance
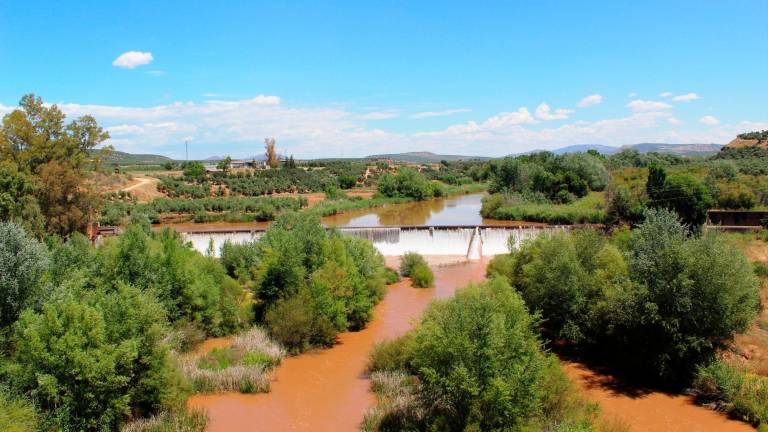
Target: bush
(347, 181)
(391, 276)
(178, 420)
(686, 196)
(16, 414)
(23, 262)
(407, 183)
(690, 297)
(737, 392)
(422, 276)
(113, 365)
(408, 261)
(479, 364)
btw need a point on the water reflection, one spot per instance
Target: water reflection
(462, 210)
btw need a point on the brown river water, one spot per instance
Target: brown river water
(327, 390)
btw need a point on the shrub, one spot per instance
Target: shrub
(16, 414)
(179, 420)
(391, 355)
(686, 196)
(391, 276)
(114, 364)
(738, 392)
(422, 276)
(347, 181)
(23, 262)
(242, 366)
(691, 296)
(408, 261)
(407, 183)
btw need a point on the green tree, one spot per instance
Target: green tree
(686, 196)
(479, 360)
(95, 358)
(23, 262)
(691, 296)
(225, 164)
(194, 169)
(657, 177)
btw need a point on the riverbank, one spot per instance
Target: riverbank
(327, 390)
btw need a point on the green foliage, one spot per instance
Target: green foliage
(531, 208)
(682, 194)
(756, 135)
(23, 262)
(479, 366)
(422, 276)
(17, 414)
(406, 183)
(346, 181)
(691, 296)
(95, 357)
(663, 308)
(391, 276)
(738, 392)
(408, 261)
(309, 284)
(176, 420)
(559, 178)
(37, 147)
(624, 207)
(193, 169)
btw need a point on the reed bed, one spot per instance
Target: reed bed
(243, 366)
(177, 421)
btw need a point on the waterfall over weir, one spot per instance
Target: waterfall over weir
(473, 242)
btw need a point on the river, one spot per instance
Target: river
(327, 390)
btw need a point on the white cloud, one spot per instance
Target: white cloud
(543, 112)
(674, 121)
(429, 114)
(131, 59)
(632, 95)
(665, 94)
(590, 100)
(507, 119)
(378, 115)
(709, 120)
(238, 127)
(686, 97)
(639, 105)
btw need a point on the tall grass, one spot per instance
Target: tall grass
(398, 403)
(243, 366)
(736, 391)
(176, 421)
(590, 209)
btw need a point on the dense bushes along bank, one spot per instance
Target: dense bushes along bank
(89, 334)
(309, 284)
(86, 330)
(662, 300)
(474, 362)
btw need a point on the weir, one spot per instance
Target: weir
(473, 242)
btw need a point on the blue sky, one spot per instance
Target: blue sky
(355, 78)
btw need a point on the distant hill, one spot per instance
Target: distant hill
(678, 149)
(423, 157)
(603, 149)
(750, 139)
(123, 158)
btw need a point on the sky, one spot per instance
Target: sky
(352, 78)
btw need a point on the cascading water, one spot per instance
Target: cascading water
(202, 241)
(471, 242)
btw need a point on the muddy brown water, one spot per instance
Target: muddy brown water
(327, 390)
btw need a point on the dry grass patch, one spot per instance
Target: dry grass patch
(242, 366)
